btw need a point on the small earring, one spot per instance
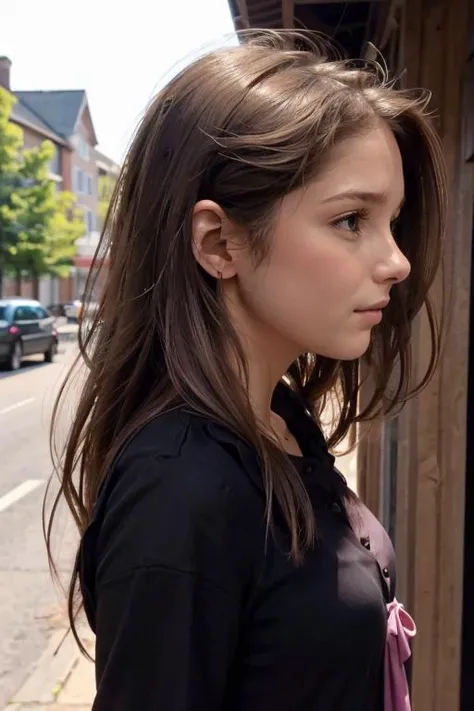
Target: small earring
(219, 275)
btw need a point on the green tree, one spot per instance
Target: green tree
(11, 141)
(48, 224)
(39, 226)
(106, 186)
(65, 228)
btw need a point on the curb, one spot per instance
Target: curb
(67, 336)
(67, 332)
(50, 672)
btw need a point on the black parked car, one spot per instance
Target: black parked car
(26, 328)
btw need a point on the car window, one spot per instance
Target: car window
(41, 312)
(25, 313)
(19, 314)
(3, 317)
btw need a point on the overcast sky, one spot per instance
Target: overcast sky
(120, 54)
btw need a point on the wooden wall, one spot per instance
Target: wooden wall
(431, 452)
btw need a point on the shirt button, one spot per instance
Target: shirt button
(336, 508)
(309, 469)
(386, 573)
(366, 543)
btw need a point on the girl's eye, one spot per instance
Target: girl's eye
(351, 223)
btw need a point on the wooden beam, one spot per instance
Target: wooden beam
(468, 128)
(288, 14)
(329, 2)
(243, 12)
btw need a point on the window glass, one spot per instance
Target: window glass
(25, 313)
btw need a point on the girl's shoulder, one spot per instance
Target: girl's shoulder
(180, 495)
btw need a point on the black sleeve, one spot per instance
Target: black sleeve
(164, 641)
(171, 574)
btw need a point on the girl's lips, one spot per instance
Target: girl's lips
(377, 306)
(370, 316)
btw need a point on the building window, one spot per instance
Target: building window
(83, 148)
(79, 187)
(89, 219)
(90, 184)
(54, 164)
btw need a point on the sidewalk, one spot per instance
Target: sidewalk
(66, 331)
(61, 680)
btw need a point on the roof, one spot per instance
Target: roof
(348, 24)
(23, 115)
(57, 109)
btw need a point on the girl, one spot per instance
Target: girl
(277, 222)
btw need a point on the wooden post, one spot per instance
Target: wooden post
(287, 11)
(432, 429)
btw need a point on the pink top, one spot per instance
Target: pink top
(400, 629)
(400, 626)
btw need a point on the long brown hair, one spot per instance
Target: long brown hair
(242, 126)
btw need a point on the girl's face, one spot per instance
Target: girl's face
(333, 258)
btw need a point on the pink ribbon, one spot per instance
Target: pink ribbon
(400, 629)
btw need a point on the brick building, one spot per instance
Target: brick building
(64, 118)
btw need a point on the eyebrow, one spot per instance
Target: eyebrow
(364, 195)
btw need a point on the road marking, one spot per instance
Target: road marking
(19, 492)
(17, 405)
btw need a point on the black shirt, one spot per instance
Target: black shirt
(195, 611)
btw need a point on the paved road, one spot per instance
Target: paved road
(29, 605)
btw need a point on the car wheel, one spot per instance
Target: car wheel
(15, 356)
(50, 353)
